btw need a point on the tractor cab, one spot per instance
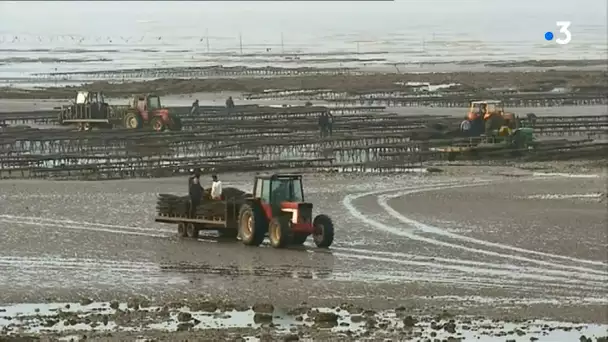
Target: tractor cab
(276, 189)
(145, 103)
(154, 102)
(484, 109)
(89, 97)
(283, 195)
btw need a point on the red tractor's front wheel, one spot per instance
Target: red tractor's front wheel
(279, 232)
(158, 124)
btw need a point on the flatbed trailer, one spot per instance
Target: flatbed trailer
(226, 225)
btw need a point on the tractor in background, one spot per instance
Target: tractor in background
(147, 110)
(91, 110)
(486, 117)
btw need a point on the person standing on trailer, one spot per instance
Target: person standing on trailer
(195, 190)
(216, 188)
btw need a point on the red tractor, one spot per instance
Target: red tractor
(90, 110)
(146, 110)
(277, 209)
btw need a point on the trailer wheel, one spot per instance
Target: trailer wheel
(323, 235)
(181, 230)
(299, 239)
(279, 232)
(251, 226)
(192, 231)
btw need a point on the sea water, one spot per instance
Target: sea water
(111, 35)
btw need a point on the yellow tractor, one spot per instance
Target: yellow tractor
(486, 117)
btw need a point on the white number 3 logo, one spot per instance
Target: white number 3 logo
(563, 28)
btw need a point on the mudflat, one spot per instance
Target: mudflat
(438, 249)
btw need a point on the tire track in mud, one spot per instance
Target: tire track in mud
(549, 276)
(82, 223)
(429, 261)
(85, 226)
(563, 274)
(383, 202)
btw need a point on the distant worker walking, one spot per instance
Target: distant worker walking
(216, 188)
(323, 123)
(230, 103)
(330, 124)
(195, 110)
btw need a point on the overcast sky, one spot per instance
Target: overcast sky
(96, 16)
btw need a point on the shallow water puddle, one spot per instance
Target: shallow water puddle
(69, 318)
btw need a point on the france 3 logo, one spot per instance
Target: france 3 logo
(564, 29)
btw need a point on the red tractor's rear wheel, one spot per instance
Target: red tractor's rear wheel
(252, 229)
(133, 121)
(324, 231)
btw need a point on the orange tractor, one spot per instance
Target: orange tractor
(484, 117)
(90, 110)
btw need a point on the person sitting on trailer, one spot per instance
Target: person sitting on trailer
(195, 110)
(195, 190)
(216, 188)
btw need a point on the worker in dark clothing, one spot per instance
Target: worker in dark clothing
(230, 103)
(195, 110)
(330, 124)
(195, 190)
(323, 121)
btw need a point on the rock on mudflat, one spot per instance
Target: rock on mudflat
(409, 321)
(185, 326)
(263, 308)
(262, 318)
(291, 337)
(85, 301)
(326, 317)
(184, 316)
(204, 306)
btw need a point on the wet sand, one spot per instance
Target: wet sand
(417, 241)
(473, 81)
